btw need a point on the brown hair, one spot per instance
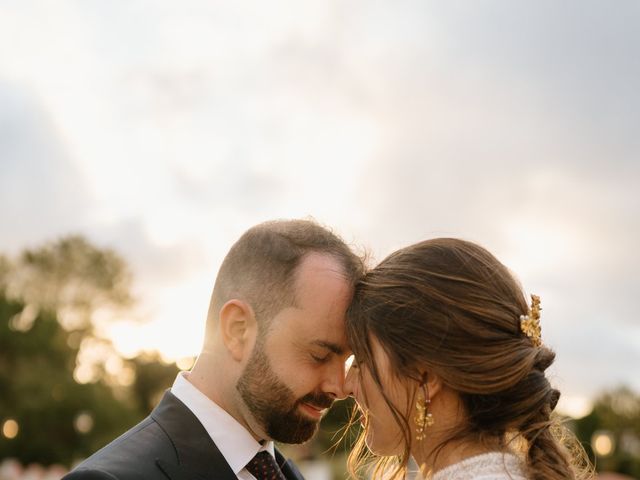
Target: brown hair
(260, 267)
(449, 306)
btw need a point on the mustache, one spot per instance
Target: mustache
(317, 399)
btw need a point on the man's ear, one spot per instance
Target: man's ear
(237, 328)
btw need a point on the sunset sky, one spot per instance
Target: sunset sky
(165, 129)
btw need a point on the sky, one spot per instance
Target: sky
(164, 130)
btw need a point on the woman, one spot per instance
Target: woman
(449, 370)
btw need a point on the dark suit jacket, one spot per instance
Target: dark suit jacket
(169, 444)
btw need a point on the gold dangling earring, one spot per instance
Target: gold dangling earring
(423, 418)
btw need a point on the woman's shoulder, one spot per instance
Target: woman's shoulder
(487, 466)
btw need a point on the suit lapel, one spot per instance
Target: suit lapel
(288, 468)
(198, 456)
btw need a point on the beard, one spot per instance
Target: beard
(273, 404)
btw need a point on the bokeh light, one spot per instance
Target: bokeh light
(10, 428)
(603, 443)
(83, 423)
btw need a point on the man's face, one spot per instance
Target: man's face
(297, 370)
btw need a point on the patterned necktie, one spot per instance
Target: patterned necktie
(264, 467)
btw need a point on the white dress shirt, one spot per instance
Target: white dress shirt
(234, 441)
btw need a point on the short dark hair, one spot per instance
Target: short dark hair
(260, 267)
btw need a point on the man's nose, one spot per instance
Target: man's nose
(334, 383)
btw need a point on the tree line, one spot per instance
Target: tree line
(65, 391)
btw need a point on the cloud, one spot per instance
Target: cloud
(155, 265)
(167, 130)
(40, 189)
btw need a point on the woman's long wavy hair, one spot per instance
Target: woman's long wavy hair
(450, 307)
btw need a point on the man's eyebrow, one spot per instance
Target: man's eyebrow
(337, 349)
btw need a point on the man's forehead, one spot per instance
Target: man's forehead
(325, 326)
(322, 298)
(318, 267)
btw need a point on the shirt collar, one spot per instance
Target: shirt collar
(234, 441)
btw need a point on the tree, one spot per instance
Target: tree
(72, 277)
(49, 297)
(152, 378)
(615, 414)
(59, 420)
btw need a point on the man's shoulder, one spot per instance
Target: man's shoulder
(131, 456)
(88, 474)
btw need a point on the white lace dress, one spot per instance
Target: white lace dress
(488, 466)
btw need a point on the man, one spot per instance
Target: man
(272, 363)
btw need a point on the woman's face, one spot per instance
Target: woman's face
(384, 435)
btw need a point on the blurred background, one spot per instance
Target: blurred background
(139, 139)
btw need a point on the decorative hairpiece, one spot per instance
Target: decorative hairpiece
(530, 323)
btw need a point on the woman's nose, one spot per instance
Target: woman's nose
(349, 382)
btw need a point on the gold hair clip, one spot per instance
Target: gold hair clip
(530, 323)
